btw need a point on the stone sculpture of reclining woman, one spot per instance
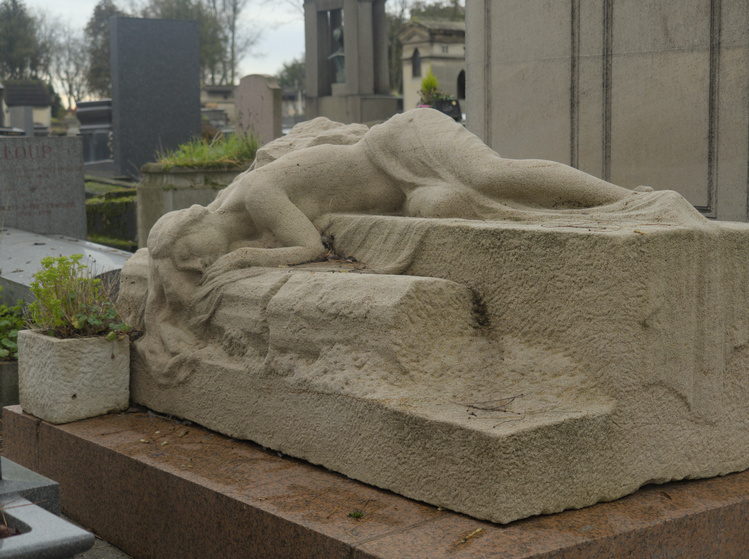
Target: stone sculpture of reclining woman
(419, 164)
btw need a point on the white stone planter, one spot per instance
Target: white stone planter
(64, 380)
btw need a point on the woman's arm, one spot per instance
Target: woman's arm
(247, 257)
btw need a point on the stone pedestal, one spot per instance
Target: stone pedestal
(515, 369)
(265, 505)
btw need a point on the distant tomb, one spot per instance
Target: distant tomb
(155, 88)
(29, 107)
(439, 45)
(95, 119)
(347, 76)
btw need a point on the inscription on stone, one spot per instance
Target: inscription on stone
(42, 187)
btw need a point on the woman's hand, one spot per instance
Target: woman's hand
(222, 265)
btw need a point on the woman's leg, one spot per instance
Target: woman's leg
(543, 184)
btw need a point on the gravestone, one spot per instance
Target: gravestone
(155, 88)
(632, 92)
(95, 119)
(23, 118)
(42, 186)
(258, 105)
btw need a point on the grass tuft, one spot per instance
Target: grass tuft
(232, 152)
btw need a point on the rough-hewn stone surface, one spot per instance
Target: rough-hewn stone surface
(550, 360)
(63, 380)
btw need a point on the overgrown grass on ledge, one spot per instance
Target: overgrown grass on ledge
(233, 152)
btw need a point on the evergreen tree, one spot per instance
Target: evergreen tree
(98, 75)
(292, 75)
(20, 56)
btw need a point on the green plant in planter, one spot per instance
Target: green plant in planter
(429, 87)
(11, 321)
(71, 303)
(430, 92)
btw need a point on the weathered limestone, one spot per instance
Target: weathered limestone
(596, 361)
(547, 359)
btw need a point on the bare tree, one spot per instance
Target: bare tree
(295, 5)
(47, 35)
(70, 65)
(238, 40)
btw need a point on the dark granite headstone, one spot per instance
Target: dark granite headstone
(95, 119)
(41, 185)
(155, 88)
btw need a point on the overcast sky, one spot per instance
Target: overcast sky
(282, 29)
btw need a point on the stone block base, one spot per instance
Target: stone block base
(157, 488)
(498, 369)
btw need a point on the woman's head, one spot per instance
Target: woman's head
(192, 238)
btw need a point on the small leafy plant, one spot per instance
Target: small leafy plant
(429, 87)
(430, 91)
(11, 321)
(71, 303)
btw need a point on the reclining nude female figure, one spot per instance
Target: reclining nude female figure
(420, 164)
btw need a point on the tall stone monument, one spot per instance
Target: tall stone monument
(632, 92)
(155, 88)
(346, 57)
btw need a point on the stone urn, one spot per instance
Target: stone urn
(67, 379)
